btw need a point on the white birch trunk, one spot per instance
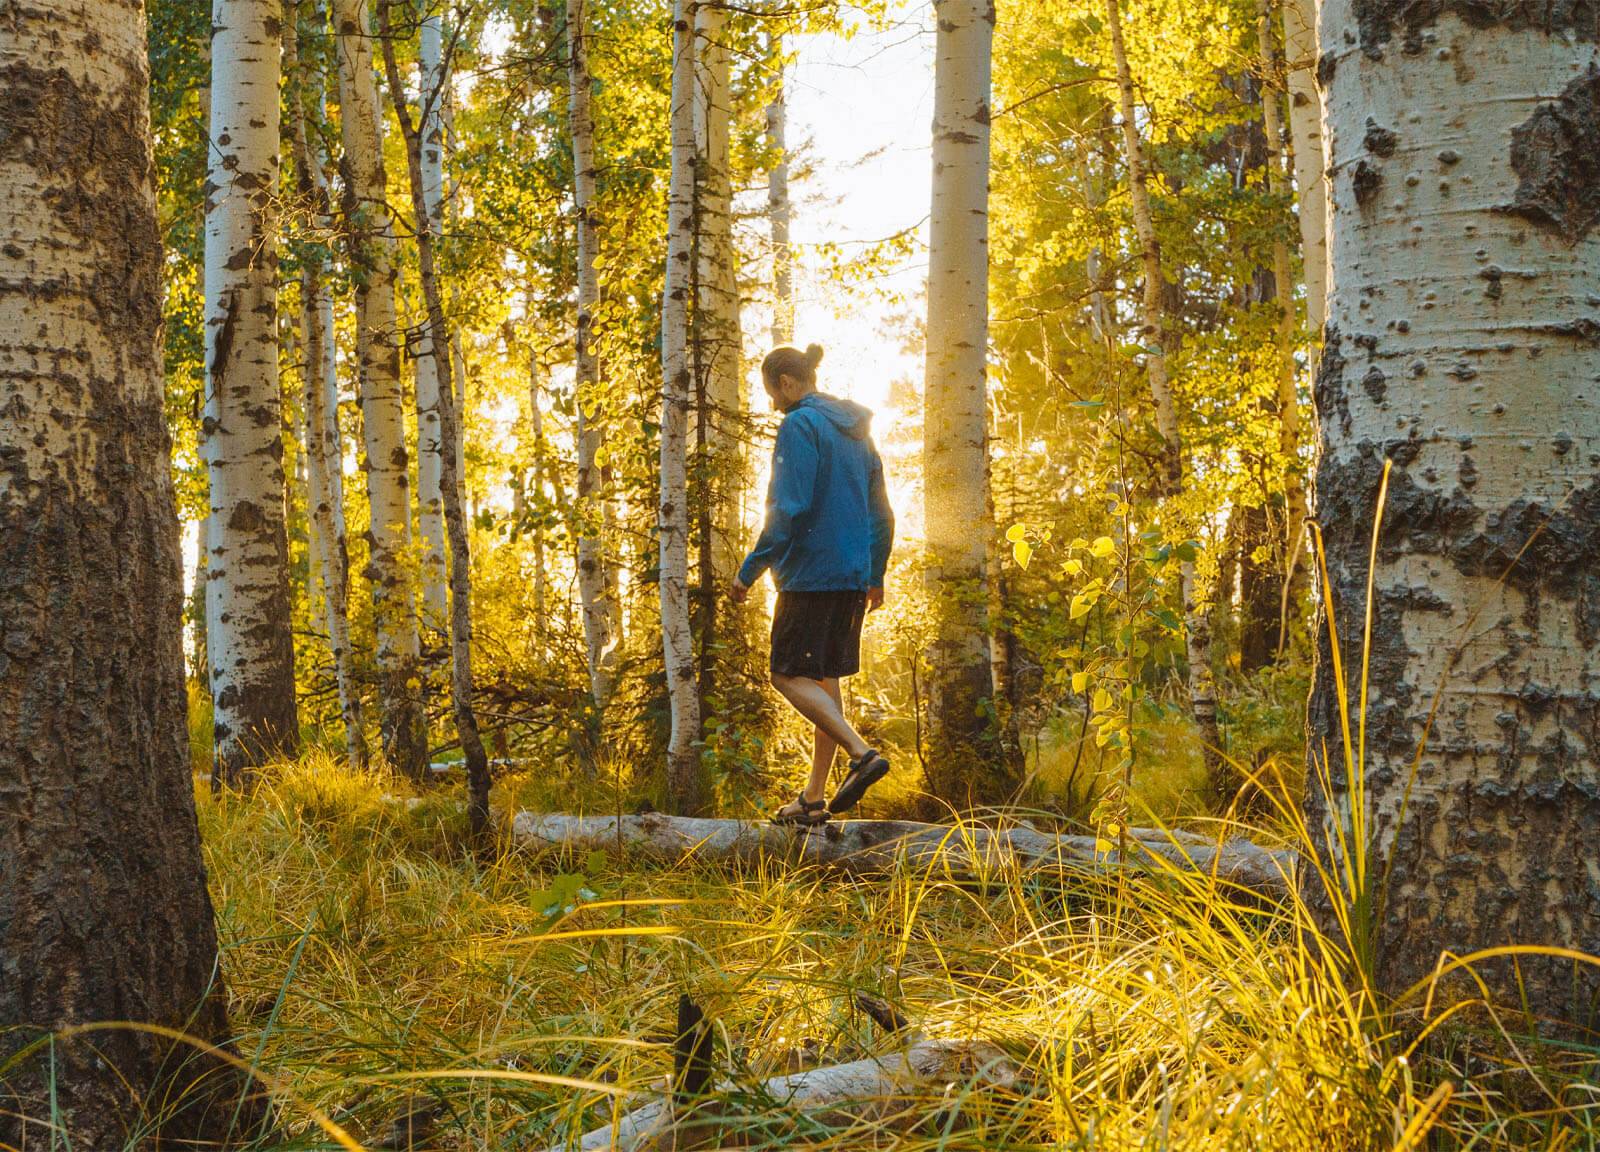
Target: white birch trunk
(534, 479)
(430, 466)
(382, 407)
(779, 210)
(1462, 323)
(721, 353)
(1305, 132)
(250, 647)
(1271, 69)
(684, 778)
(1155, 336)
(598, 615)
(324, 452)
(955, 435)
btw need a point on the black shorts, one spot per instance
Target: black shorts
(818, 634)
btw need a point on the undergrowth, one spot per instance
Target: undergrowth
(376, 969)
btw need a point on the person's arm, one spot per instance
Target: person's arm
(882, 520)
(794, 482)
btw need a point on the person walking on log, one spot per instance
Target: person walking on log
(827, 536)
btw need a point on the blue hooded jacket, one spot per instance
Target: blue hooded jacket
(829, 525)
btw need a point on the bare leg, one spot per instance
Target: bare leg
(819, 701)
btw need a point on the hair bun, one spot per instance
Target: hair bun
(813, 354)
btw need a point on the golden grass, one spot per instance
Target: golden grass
(372, 965)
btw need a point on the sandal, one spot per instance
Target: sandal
(811, 814)
(865, 771)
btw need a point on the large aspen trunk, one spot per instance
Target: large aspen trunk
(430, 461)
(461, 682)
(1156, 337)
(104, 915)
(324, 452)
(371, 241)
(1305, 134)
(685, 780)
(779, 211)
(249, 644)
(966, 764)
(1461, 348)
(593, 588)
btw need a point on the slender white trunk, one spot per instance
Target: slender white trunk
(779, 212)
(1271, 69)
(599, 642)
(324, 453)
(534, 481)
(1461, 347)
(250, 646)
(1305, 132)
(717, 321)
(430, 466)
(684, 779)
(371, 237)
(461, 679)
(955, 447)
(1155, 337)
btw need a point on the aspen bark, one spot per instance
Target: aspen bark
(320, 390)
(430, 464)
(1156, 338)
(685, 781)
(593, 591)
(249, 644)
(1305, 133)
(370, 236)
(461, 682)
(966, 765)
(104, 914)
(1270, 69)
(1460, 347)
(535, 480)
(779, 210)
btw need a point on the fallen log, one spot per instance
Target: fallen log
(879, 1088)
(872, 846)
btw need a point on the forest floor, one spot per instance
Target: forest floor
(376, 969)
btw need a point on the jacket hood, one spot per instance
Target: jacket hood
(854, 420)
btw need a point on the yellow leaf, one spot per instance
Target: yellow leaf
(1016, 532)
(1080, 681)
(1023, 551)
(1102, 547)
(1073, 567)
(1080, 607)
(1103, 846)
(1102, 700)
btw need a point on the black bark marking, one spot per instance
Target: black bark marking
(1380, 141)
(1556, 154)
(1366, 179)
(1378, 20)
(1375, 384)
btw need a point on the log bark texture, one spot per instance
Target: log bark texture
(872, 846)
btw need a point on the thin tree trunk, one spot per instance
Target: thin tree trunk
(429, 371)
(104, 914)
(1156, 338)
(536, 478)
(598, 614)
(779, 211)
(1271, 68)
(461, 685)
(1305, 133)
(324, 451)
(1460, 347)
(685, 781)
(250, 646)
(371, 241)
(966, 762)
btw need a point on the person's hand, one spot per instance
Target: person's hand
(874, 598)
(738, 591)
